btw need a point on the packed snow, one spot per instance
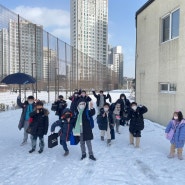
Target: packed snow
(118, 164)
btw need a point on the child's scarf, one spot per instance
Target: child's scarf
(76, 130)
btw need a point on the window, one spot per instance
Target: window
(166, 28)
(167, 87)
(175, 24)
(170, 26)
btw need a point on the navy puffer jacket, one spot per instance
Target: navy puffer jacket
(65, 128)
(104, 121)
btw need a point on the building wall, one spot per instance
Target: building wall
(158, 62)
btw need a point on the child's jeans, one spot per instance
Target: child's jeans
(34, 142)
(64, 144)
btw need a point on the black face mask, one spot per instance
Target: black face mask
(67, 116)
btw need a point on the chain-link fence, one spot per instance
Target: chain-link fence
(56, 66)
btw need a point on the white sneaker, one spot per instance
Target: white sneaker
(180, 157)
(23, 143)
(170, 156)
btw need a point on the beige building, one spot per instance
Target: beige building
(160, 58)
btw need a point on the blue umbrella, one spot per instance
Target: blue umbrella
(18, 78)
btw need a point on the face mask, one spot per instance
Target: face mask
(76, 95)
(81, 107)
(106, 109)
(83, 95)
(39, 109)
(134, 107)
(67, 115)
(118, 108)
(175, 117)
(30, 101)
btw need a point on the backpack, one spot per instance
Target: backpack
(90, 118)
(112, 107)
(54, 107)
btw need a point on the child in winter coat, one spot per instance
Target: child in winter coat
(74, 101)
(135, 116)
(177, 126)
(83, 127)
(66, 123)
(61, 104)
(85, 97)
(38, 126)
(117, 116)
(105, 122)
(27, 107)
(101, 99)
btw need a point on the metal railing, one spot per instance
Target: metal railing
(56, 66)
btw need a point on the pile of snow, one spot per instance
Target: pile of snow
(119, 164)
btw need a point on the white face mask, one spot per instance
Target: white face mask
(30, 102)
(106, 109)
(81, 107)
(83, 95)
(175, 117)
(134, 107)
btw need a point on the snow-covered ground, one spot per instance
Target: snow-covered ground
(119, 164)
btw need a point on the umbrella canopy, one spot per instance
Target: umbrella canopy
(18, 78)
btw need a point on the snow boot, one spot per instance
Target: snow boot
(92, 157)
(137, 142)
(102, 138)
(66, 153)
(131, 139)
(32, 150)
(117, 129)
(40, 151)
(108, 142)
(179, 152)
(172, 151)
(83, 156)
(23, 143)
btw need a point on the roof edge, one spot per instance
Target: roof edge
(144, 6)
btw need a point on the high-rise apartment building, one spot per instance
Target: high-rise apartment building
(115, 61)
(30, 49)
(89, 31)
(49, 66)
(4, 53)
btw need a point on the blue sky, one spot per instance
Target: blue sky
(54, 16)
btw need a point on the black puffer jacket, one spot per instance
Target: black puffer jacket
(136, 119)
(39, 122)
(103, 121)
(86, 126)
(74, 104)
(61, 105)
(125, 104)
